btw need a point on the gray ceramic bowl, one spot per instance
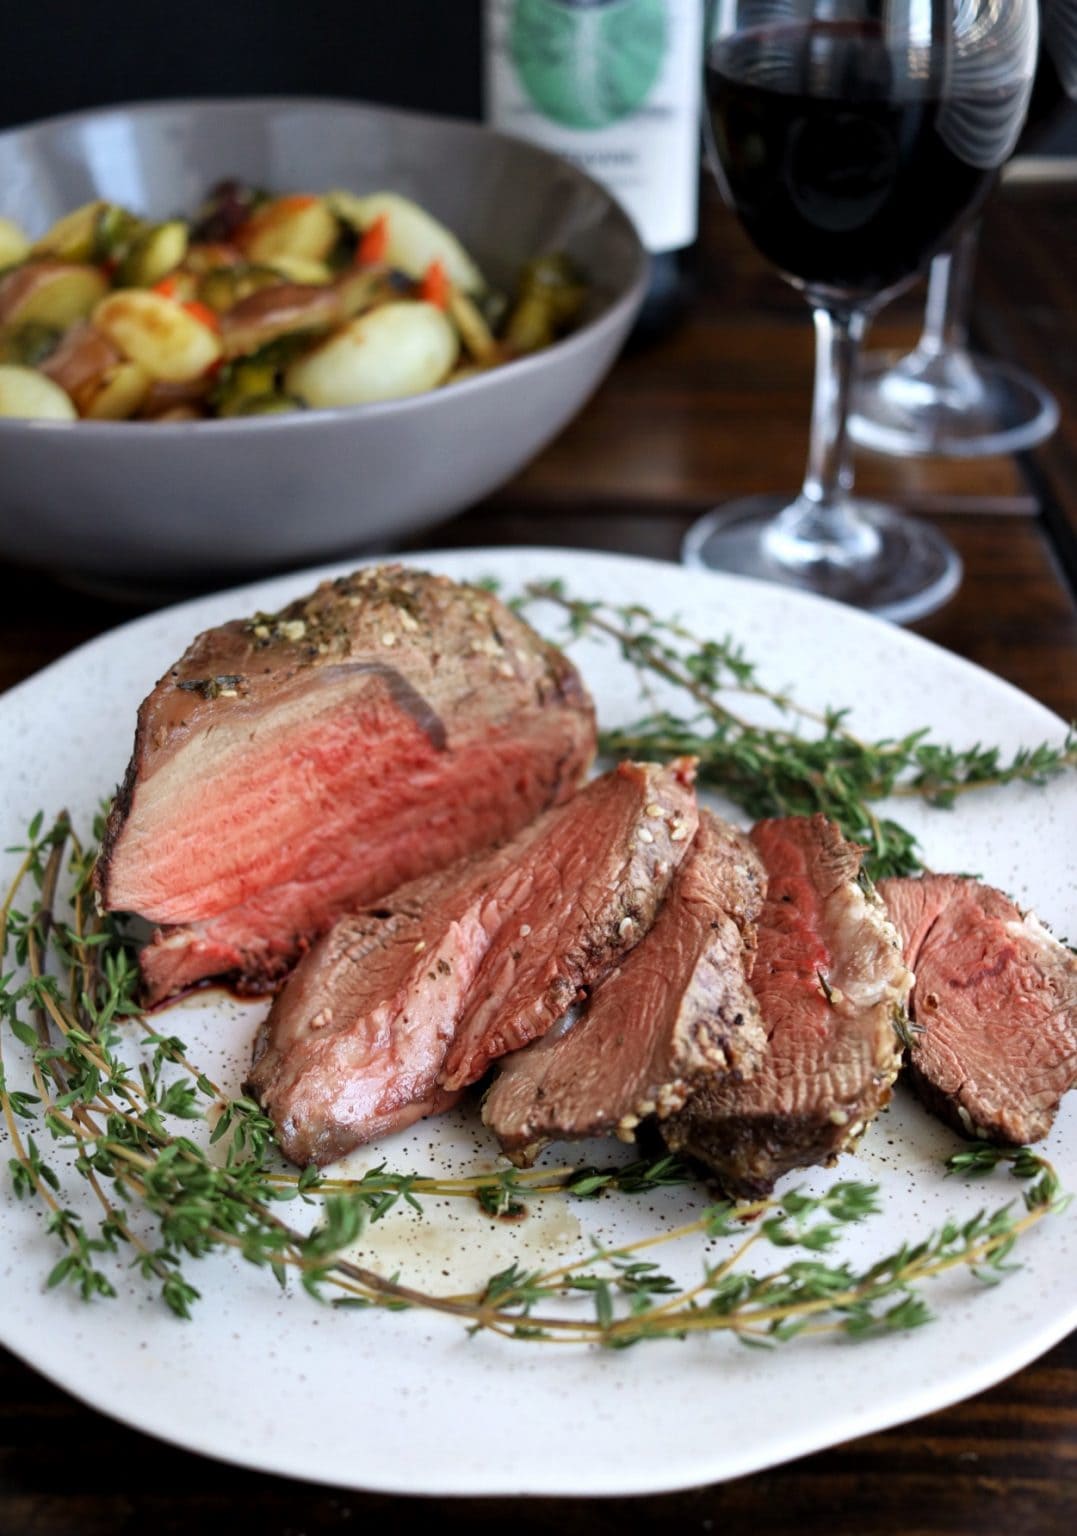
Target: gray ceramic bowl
(170, 503)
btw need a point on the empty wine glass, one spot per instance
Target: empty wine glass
(850, 136)
(943, 398)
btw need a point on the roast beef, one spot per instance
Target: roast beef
(677, 1009)
(398, 1008)
(831, 986)
(294, 765)
(994, 1007)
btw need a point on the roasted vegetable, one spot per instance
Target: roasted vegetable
(276, 311)
(364, 287)
(83, 355)
(398, 349)
(72, 238)
(155, 253)
(53, 293)
(168, 341)
(247, 379)
(269, 404)
(174, 401)
(181, 286)
(289, 226)
(372, 243)
(223, 287)
(412, 237)
(244, 380)
(115, 230)
(175, 413)
(98, 231)
(474, 331)
(25, 392)
(203, 259)
(228, 207)
(552, 293)
(302, 269)
(116, 394)
(14, 246)
(29, 344)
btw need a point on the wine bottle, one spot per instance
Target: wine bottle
(614, 86)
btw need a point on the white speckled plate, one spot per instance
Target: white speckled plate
(406, 1401)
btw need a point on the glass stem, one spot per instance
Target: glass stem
(838, 334)
(821, 526)
(949, 295)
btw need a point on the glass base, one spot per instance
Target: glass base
(951, 404)
(911, 571)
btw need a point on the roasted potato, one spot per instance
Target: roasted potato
(14, 246)
(164, 337)
(115, 395)
(398, 349)
(74, 237)
(26, 393)
(300, 226)
(54, 293)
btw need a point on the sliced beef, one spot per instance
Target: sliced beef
(676, 1010)
(830, 982)
(994, 1007)
(395, 1010)
(292, 766)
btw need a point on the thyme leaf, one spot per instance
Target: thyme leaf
(809, 760)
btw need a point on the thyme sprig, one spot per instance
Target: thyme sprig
(164, 1198)
(809, 762)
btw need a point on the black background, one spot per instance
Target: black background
(64, 55)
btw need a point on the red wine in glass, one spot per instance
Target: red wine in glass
(850, 191)
(851, 139)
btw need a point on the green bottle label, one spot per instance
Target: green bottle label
(588, 63)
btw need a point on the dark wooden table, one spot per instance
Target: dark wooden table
(719, 409)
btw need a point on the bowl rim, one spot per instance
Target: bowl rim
(610, 318)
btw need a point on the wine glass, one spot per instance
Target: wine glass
(851, 137)
(942, 398)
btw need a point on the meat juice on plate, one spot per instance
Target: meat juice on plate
(847, 162)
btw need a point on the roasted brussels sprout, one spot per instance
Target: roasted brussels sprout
(155, 253)
(551, 295)
(28, 344)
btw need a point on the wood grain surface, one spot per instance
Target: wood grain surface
(716, 410)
